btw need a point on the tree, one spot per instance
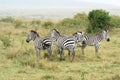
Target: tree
(98, 19)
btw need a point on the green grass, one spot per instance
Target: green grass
(19, 62)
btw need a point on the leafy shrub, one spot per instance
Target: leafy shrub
(6, 41)
(80, 20)
(67, 22)
(19, 23)
(35, 22)
(47, 24)
(80, 16)
(115, 21)
(8, 20)
(99, 19)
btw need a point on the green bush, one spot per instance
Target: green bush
(115, 22)
(48, 24)
(8, 20)
(35, 22)
(99, 19)
(67, 22)
(19, 24)
(80, 20)
(6, 41)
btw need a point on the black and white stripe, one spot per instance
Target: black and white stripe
(40, 43)
(65, 42)
(94, 40)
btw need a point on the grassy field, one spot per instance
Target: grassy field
(18, 59)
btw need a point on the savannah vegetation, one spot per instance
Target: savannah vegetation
(18, 59)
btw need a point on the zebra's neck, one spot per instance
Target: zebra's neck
(37, 42)
(100, 36)
(57, 36)
(35, 37)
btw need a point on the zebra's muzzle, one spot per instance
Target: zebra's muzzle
(108, 39)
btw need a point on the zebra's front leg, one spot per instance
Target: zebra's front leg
(38, 53)
(73, 55)
(83, 47)
(69, 54)
(49, 53)
(61, 54)
(96, 49)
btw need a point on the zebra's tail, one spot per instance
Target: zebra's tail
(45, 46)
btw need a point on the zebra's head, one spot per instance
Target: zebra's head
(55, 34)
(79, 36)
(106, 35)
(31, 36)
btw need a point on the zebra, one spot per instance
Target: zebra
(65, 42)
(40, 43)
(94, 40)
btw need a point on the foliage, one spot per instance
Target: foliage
(115, 21)
(99, 19)
(81, 20)
(7, 20)
(35, 22)
(19, 61)
(67, 22)
(78, 21)
(19, 24)
(48, 24)
(6, 40)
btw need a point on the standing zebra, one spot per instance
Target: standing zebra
(94, 40)
(40, 43)
(65, 42)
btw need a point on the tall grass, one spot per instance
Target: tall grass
(7, 20)
(19, 61)
(6, 40)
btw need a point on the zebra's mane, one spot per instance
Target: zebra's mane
(57, 31)
(35, 32)
(76, 33)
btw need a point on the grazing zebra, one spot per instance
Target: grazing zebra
(65, 42)
(40, 43)
(94, 40)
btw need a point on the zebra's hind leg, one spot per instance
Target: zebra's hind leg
(50, 53)
(73, 55)
(69, 54)
(61, 54)
(38, 53)
(83, 47)
(96, 50)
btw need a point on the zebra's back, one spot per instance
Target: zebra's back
(66, 42)
(47, 42)
(91, 40)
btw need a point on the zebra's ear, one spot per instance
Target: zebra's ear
(32, 31)
(54, 29)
